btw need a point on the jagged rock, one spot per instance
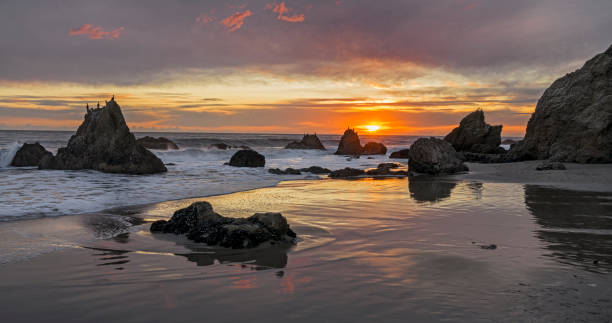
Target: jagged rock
(551, 166)
(434, 156)
(159, 143)
(346, 172)
(307, 142)
(572, 121)
(288, 171)
(349, 143)
(315, 170)
(374, 148)
(202, 224)
(475, 135)
(29, 155)
(104, 142)
(247, 158)
(400, 154)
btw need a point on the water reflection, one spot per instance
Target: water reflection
(110, 257)
(577, 226)
(429, 189)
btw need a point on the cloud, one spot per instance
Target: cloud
(236, 20)
(205, 18)
(96, 32)
(282, 10)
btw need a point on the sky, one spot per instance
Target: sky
(411, 67)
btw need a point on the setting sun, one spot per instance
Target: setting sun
(372, 128)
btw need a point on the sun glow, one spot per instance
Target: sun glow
(371, 128)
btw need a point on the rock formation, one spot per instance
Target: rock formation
(315, 170)
(29, 155)
(104, 142)
(160, 143)
(572, 121)
(400, 154)
(434, 156)
(202, 224)
(288, 171)
(350, 145)
(475, 135)
(224, 146)
(346, 172)
(386, 169)
(374, 148)
(307, 142)
(247, 158)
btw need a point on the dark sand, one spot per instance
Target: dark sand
(388, 250)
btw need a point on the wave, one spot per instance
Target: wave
(7, 154)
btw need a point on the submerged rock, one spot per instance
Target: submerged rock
(307, 142)
(202, 224)
(346, 172)
(288, 171)
(434, 156)
(400, 154)
(374, 148)
(104, 142)
(349, 143)
(551, 166)
(159, 143)
(30, 155)
(247, 158)
(316, 170)
(475, 135)
(572, 121)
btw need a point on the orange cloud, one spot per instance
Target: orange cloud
(236, 20)
(96, 32)
(205, 18)
(282, 12)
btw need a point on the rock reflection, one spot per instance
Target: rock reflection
(258, 258)
(577, 226)
(429, 189)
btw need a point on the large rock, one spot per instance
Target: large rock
(307, 142)
(159, 143)
(374, 148)
(247, 158)
(400, 154)
(434, 156)
(201, 224)
(349, 143)
(104, 142)
(29, 155)
(572, 121)
(475, 135)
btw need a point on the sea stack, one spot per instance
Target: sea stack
(572, 121)
(104, 142)
(476, 136)
(350, 145)
(307, 142)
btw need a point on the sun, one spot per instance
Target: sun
(372, 128)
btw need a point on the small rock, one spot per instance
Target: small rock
(551, 166)
(400, 154)
(307, 142)
(346, 172)
(160, 143)
(247, 158)
(315, 170)
(30, 155)
(288, 171)
(489, 247)
(374, 148)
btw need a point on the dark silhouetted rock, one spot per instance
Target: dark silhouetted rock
(247, 158)
(104, 142)
(572, 121)
(374, 148)
(508, 142)
(222, 146)
(346, 172)
(429, 189)
(202, 224)
(160, 143)
(434, 156)
(484, 158)
(315, 170)
(288, 171)
(400, 154)
(30, 155)
(475, 135)
(307, 142)
(387, 169)
(349, 144)
(551, 166)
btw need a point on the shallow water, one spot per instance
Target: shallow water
(392, 250)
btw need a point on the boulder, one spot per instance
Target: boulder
(159, 143)
(288, 171)
(475, 135)
(202, 224)
(374, 148)
(315, 170)
(29, 155)
(247, 158)
(349, 143)
(346, 172)
(551, 166)
(104, 142)
(307, 142)
(400, 154)
(434, 156)
(572, 121)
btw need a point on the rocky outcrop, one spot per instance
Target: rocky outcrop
(315, 170)
(475, 135)
(550, 166)
(247, 158)
(104, 142)
(307, 142)
(434, 156)
(224, 146)
(201, 224)
(387, 169)
(374, 148)
(159, 143)
(350, 145)
(288, 171)
(29, 155)
(572, 121)
(346, 172)
(484, 158)
(400, 154)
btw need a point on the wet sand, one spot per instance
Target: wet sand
(393, 250)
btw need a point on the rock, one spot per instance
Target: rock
(247, 158)
(509, 142)
(346, 172)
(160, 143)
(484, 158)
(202, 224)
(489, 247)
(374, 148)
(434, 156)
(349, 144)
(572, 121)
(222, 146)
(475, 135)
(307, 142)
(400, 154)
(104, 142)
(315, 170)
(29, 155)
(288, 171)
(551, 166)
(385, 169)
